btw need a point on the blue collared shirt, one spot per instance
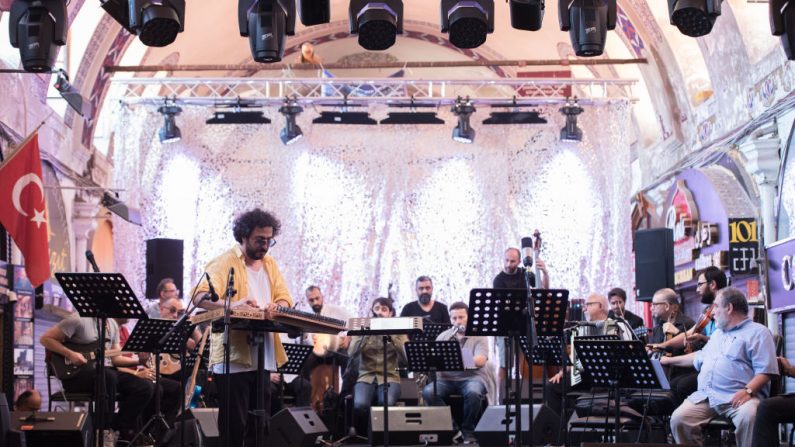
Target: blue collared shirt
(731, 359)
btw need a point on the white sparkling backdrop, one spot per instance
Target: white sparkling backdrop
(366, 209)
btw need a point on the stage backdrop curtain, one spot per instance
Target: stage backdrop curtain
(367, 209)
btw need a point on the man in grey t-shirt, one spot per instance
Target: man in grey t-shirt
(471, 384)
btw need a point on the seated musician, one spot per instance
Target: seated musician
(734, 370)
(134, 392)
(618, 301)
(773, 411)
(366, 355)
(471, 385)
(670, 321)
(598, 323)
(166, 290)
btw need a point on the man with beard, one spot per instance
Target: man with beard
(670, 321)
(734, 368)
(258, 284)
(426, 306)
(618, 300)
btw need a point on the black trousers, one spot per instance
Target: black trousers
(772, 411)
(684, 385)
(299, 388)
(169, 400)
(133, 393)
(242, 401)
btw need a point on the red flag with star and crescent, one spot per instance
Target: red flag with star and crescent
(22, 209)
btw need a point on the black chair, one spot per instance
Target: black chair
(62, 395)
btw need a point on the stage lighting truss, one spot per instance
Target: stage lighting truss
(291, 131)
(467, 21)
(156, 23)
(169, 133)
(463, 110)
(570, 132)
(377, 23)
(694, 18)
(38, 29)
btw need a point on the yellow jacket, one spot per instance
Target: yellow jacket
(218, 269)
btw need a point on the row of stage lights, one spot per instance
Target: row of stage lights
(38, 27)
(291, 132)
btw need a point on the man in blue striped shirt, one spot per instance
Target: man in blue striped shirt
(734, 371)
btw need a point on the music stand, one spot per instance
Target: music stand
(101, 296)
(296, 357)
(430, 331)
(434, 356)
(616, 364)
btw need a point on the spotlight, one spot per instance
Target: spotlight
(169, 133)
(71, 95)
(314, 12)
(694, 18)
(782, 23)
(412, 118)
(156, 22)
(265, 23)
(376, 23)
(38, 29)
(291, 132)
(587, 22)
(514, 118)
(463, 132)
(467, 21)
(570, 132)
(527, 14)
(357, 118)
(238, 117)
(119, 208)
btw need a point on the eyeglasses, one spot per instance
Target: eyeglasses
(658, 304)
(174, 310)
(588, 304)
(262, 241)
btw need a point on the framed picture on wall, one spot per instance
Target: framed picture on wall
(23, 333)
(22, 384)
(23, 309)
(23, 361)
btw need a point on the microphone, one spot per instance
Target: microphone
(571, 324)
(527, 251)
(213, 295)
(92, 261)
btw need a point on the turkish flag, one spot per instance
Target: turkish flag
(22, 209)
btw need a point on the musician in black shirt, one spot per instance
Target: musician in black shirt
(426, 306)
(512, 276)
(618, 300)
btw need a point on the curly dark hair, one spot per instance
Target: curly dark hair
(245, 223)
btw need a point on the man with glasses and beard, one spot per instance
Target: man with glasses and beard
(426, 306)
(258, 284)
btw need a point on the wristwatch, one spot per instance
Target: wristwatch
(749, 391)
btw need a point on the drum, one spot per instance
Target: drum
(322, 378)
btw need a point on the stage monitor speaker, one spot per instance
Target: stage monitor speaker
(64, 429)
(295, 427)
(490, 431)
(412, 426)
(654, 262)
(163, 260)
(207, 419)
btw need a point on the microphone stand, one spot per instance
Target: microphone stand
(532, 341)
(230, 292)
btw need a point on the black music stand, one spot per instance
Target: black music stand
(157, 337)
(296, 357)
(358, 327)
(617, 364)
(101, 296)
(433, 357)
(430, 331)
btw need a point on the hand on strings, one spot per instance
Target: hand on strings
(145, 373)
(77, 358)
(690, 339)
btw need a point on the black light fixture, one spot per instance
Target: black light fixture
(570, 132)
(155, 22)
(694, 18)
(376, 22)
(463, 110)
(527, 14)
(412, 118)
(38, 29)
(587, 22)
(355, 118)
(314, 12)
(782, 23)
(114, 205)
(291, 132)
(169, 133)
(530, 117)
(266, 23)
(467, 21)
(75, 100)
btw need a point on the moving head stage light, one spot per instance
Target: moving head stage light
(38, 29)
(782, 23)
(156, 22)
(694, 18)
(376, 23)
(314, 12)
(467, 21)
(527, 14)
(587, 22)
(266, 23)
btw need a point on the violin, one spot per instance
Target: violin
(698, 328)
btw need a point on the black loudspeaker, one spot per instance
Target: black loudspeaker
(412, 426)
(654, 262)
(64, 429)
(163, 260)
(490, 431)
(207, 419)
(295, 427)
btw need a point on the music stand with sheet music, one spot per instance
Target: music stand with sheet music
(617, 364)
(101, 296)
(296, 357)
(430, 331)
(435, 356)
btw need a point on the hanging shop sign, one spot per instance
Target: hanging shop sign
(743, 246)
(690, 233)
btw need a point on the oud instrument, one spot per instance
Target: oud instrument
(191, 385)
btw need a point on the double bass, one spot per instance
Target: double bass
(538, 370)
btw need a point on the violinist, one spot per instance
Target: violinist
(668, 318)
